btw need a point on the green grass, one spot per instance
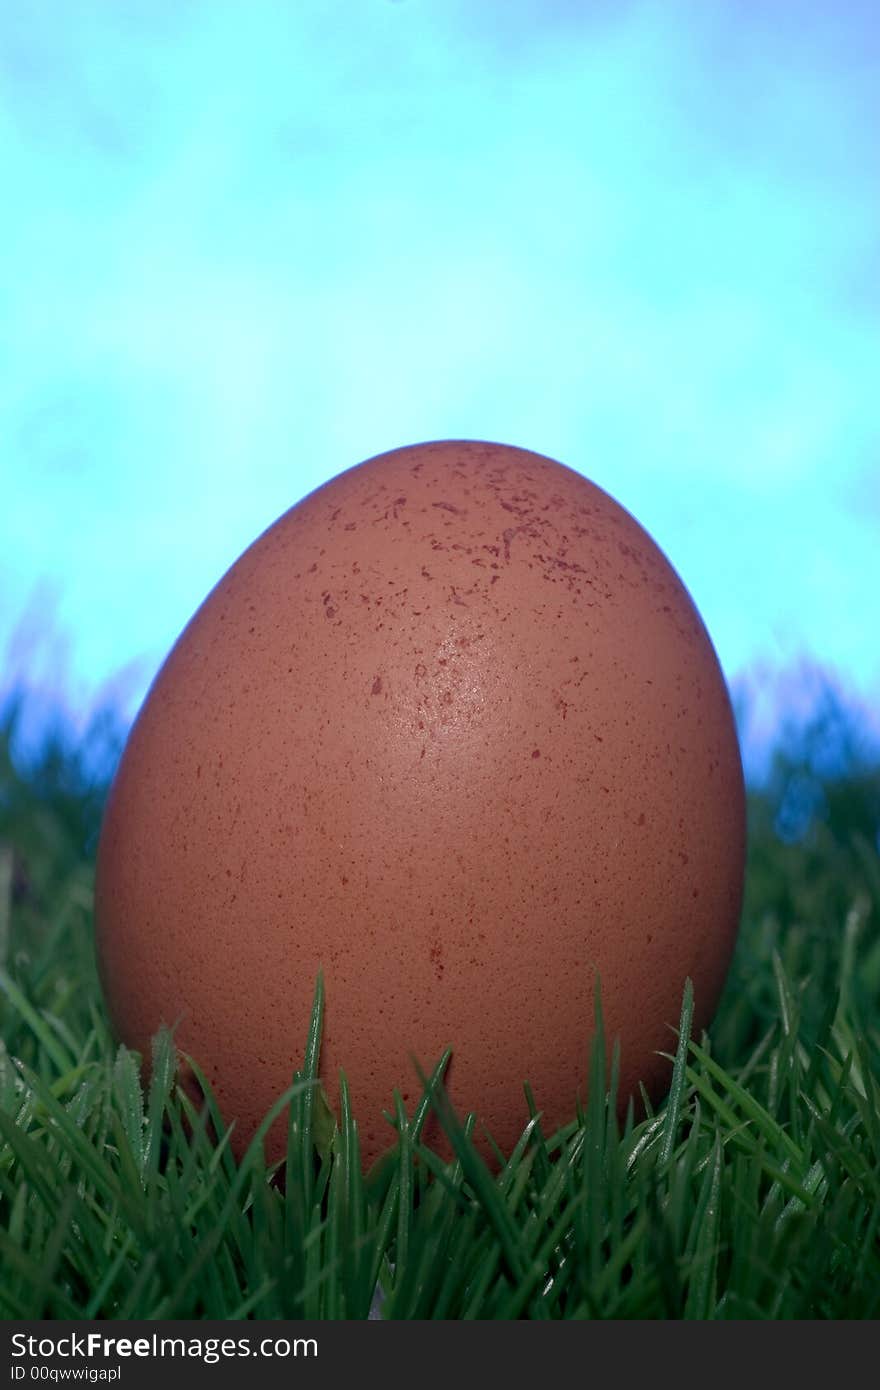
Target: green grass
(753, 1192)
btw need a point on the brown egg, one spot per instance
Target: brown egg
(451, 729)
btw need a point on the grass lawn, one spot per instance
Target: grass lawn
(754, 1192)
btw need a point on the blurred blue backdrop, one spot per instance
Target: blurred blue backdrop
(245, 246)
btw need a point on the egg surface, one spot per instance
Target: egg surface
(451, 729)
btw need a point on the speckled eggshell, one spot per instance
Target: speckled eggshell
(453, 730)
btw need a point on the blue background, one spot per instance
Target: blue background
(245, 246)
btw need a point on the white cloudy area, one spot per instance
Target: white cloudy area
(246, 246)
